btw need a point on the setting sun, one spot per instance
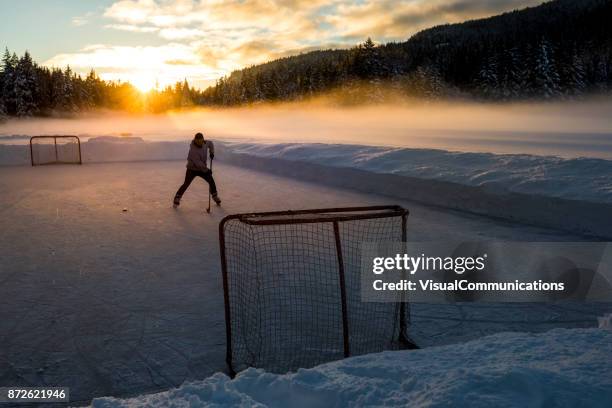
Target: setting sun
(143, 66)
(144, 83)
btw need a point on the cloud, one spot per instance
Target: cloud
(181, 33)
(143, 65)
(179, 62)
(294, 24)
(228, 34)
(82, 20)
(106, 56)
(132, 28)
(210, 38)
(388, 20)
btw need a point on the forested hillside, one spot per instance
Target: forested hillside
(562, 48)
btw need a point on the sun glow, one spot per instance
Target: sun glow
(143, 66)
(144, 83)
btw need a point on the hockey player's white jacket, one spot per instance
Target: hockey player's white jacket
(196, 160)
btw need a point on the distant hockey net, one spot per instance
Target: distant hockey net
(55, 150)
(292, 287)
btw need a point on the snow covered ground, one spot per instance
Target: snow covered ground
(585, 179)
(572, 194)
(117, 303)
(564, 368)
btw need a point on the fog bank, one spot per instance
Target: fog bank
(563, 129)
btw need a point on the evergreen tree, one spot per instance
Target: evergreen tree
(368, 63)
(488, 80)
(185, 95)
(44, 90)
(9, 66)
(93, 87)
(602, 74)
(3, 113)
(2, 108)
(511, 74)
(26, 86)
(68, 92)
(57, 97)
(546, 78)
(575, 75)
(428, 82)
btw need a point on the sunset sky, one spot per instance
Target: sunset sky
(148, 41)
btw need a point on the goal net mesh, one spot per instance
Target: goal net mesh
(292, 287)
(55, 150)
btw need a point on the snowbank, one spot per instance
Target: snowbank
(580, 179)
(557, 368)
(605, 322)
(574, 195)
(537, 190)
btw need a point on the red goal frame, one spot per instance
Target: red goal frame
(55, 144)
(330, 216)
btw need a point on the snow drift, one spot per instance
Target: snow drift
(557, 368)
(567, 194)
(605, 322)
(578, 179)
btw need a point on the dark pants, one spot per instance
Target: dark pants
(191, 174)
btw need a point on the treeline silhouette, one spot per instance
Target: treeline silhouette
(560, 49)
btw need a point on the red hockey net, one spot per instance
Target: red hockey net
(55, 150)
(292, 287)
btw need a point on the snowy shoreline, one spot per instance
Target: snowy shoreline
(573, 195)
(560, 367)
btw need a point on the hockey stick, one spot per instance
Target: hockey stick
(208, 209)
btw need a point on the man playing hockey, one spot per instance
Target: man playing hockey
(196, 166)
